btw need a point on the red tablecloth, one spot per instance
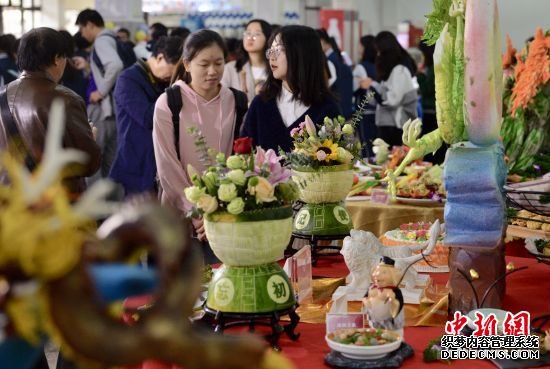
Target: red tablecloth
(526, 290)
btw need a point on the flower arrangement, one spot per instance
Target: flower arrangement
(240, 186)
(526, 103)
(333, 143)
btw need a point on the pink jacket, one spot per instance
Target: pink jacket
(216, 121)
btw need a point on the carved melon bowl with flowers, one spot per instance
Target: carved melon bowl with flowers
(322, 159)
(245, 200)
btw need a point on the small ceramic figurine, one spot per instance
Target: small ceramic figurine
(383, 301)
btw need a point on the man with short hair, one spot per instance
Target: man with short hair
(42, 58)
(101, 110)
(123, 34)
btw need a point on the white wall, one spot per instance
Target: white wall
(518, 18)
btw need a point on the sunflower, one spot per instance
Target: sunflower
(329, 148)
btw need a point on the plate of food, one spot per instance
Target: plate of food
(420, 201)
(364, 343)
(539, 247)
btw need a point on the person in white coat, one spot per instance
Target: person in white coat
(249, 72)
(396, 93)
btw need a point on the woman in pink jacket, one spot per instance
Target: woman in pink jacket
(207, 105)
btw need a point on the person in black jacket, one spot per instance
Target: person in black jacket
(296, 86)
(342, 87)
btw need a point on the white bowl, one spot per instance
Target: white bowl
(364, 352)
(500, 315)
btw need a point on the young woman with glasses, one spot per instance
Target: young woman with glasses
(296, 85)
(249, 72)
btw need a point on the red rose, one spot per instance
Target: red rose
(242, 145)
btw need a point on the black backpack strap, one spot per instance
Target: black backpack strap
(241, 107)
(13, 132)
(96, 59)
(175, 103)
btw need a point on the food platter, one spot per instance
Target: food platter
(363, 352)
(354, 351)
(531, 248)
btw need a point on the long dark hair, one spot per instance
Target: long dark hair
(243, 54)
(369, 49)
(169, 46)
(428, 52)
(194, 44)
(390, 54)
(7, 45)
(306, 74)
(323, 35)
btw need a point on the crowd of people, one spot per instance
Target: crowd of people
(281, 74)
(129, 105)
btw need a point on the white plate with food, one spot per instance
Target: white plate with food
(364, 343)
(543, 244)
(420, 202)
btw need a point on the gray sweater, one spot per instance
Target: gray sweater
(106, 50)
(399, 97)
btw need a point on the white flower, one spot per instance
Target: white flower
(227, 192)
(237, 176)
(235, 162)
(207, 203)
(263, 191)
(193, 193)
(321, 155)
(310, 126)
(236, 206)
(347, 129)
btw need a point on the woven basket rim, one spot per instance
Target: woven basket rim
(327, 168)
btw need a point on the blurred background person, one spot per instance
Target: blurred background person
(8, 68)
(181, 32)
(395, 94)
(136, 92)
(156, 31)
(105, 66)
(296, 85)
(233, 48)
(366, 68)
(342, 86)
(123, 34)
(141, 46)
(73, 78)
(426, 82)
(249, 72)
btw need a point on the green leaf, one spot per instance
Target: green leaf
(436, 21)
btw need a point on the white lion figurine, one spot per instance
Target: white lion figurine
(362, 252)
